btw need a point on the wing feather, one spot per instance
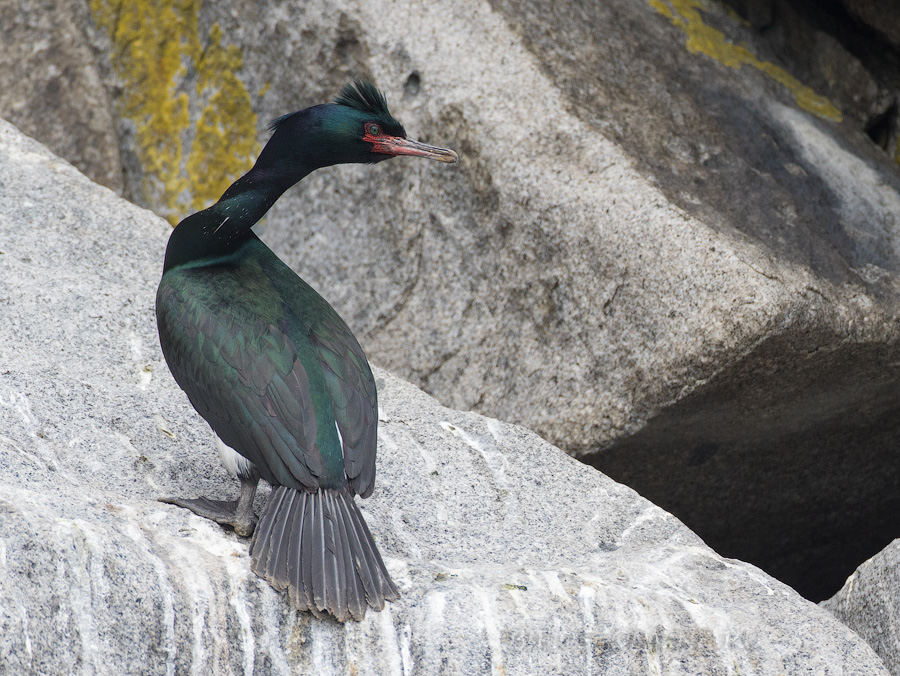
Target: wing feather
(249, 370)
(354, 400)
(246, 379)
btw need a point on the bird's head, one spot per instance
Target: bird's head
(356, 128)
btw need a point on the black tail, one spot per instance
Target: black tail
(318, 547)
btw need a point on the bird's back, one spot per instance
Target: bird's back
(272, 368)
(277, 374)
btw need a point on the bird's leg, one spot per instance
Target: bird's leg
(235, 513)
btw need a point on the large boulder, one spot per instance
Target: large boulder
(669, 248)
(869, 603)
(880, 16)
(511, 556)
(52, 86)
(660, 252)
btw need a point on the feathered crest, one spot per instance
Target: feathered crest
(364, 96)
(361, 95)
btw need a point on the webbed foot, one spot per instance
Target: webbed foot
(235, 513)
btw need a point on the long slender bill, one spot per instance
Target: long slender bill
(395, 145)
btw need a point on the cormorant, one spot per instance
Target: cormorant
(277, 373)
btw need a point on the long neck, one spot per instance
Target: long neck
(221, 229)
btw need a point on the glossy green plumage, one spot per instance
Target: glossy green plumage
(272, 367)
(277, 373)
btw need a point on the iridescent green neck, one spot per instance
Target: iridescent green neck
(223, 228)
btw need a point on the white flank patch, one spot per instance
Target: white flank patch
(234, 462)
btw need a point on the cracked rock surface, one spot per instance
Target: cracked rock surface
(511, 556)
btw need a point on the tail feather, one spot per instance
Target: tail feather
(306, 559)
(379, 586)
(356, 601)
(318, 547)
(320, 570)
(264, 527)
(336, 545)
(298, 600)
(278, 561)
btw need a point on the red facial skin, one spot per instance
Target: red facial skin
(380, 143)
(397, 145)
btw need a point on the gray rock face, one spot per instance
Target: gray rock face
(51, 86)
(661, 251)
(848, 51)
(880, 15)
(511, 556)
(869, 603)
(660, 263)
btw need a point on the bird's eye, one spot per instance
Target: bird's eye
(373, 130)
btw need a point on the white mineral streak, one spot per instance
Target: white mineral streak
(99, 578)
(491, 629)
(859, 188)
(169, 648)
(405, 653)
(393, 659)
(202, 600)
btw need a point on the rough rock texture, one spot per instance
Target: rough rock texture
(869, 603)
(882, 15)
(660, 263)
(512, 557)
(661, 250)
(848, 50)
(51, 86)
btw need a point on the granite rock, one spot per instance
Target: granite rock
(869, 603)
(52, 86)
(669, 248)
(511, 556)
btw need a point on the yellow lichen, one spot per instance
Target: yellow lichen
(225, 140)
(703, 39)
(162, 67)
